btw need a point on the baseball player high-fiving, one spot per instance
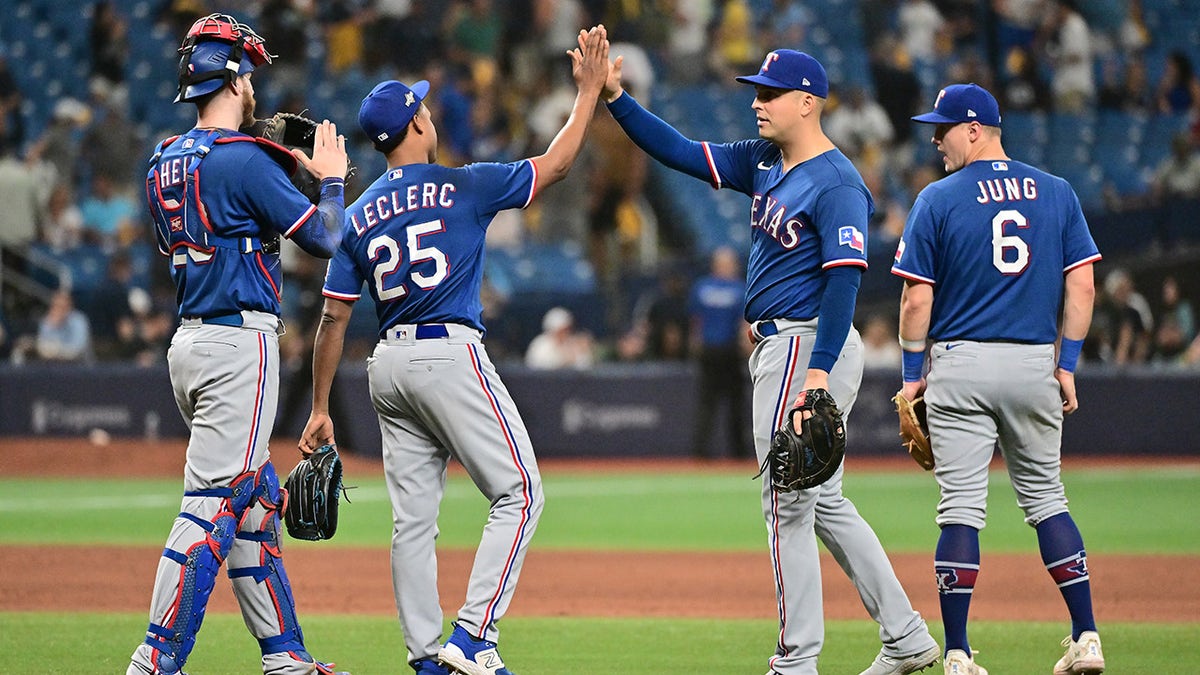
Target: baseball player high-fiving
(988, 255)
(416, 239)
(220, 200)
(808, 249)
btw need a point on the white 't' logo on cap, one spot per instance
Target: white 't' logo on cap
(409, 99)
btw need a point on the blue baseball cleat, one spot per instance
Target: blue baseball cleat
(468, 655)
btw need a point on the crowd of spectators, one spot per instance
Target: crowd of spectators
(501, 85)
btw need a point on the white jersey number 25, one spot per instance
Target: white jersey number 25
(1001, 243)
(385, 265)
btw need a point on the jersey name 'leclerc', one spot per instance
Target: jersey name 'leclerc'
(397, 202)
(1006, 190)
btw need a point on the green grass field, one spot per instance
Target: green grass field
(100, 643)
(1129, 510)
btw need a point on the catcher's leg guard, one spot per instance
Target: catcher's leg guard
(200, 541)
(260, 581)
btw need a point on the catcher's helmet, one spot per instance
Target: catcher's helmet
(217, 49)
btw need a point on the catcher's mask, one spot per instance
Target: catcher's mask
(217, 49)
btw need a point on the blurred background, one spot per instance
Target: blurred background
(619, 273)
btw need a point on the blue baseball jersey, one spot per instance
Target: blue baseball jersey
(416, 237)
(717, 304)
(809, 219)
(993, 236)
(219, 203)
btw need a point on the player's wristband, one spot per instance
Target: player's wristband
(912, 345)
(914, 365)
(1068, 354)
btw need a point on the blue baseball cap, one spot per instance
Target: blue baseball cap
(963, 103)
(790, 69)
(389, 108)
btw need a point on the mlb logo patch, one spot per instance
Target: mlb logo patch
(395, 173)
(851, 236)
(188, 142)
(999, 166)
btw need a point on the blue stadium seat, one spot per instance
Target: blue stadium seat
(1088, 184)
(1160, 129)
(1073, 129)
(1120, 163)
(89, 266)
(17, 25)
(542, 268)
(1116, 126)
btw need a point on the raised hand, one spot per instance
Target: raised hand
(612, 84)
(589, 61)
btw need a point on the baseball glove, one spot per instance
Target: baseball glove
(295, 132)
(808, 458)
(914, 429)
(313, 489)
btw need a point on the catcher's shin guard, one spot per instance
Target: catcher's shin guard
(260, 581)
(199, 543)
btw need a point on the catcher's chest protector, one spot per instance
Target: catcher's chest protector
(189, 230)
(184, 223)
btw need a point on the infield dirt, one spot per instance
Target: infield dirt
(554, 583)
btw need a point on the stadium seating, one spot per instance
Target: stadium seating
(47, 48)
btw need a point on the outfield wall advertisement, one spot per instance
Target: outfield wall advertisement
(617, 410)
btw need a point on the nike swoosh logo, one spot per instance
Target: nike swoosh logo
(763, 167)
(956, 344)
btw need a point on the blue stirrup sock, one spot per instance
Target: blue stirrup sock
(1066, 561)
(956, 565)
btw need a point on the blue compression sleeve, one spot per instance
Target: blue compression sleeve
(837, 313)
(659, 139)
(320, 236)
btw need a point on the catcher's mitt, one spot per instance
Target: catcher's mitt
(914, 429)
(313, 489)
(295, 132)
(798, 461)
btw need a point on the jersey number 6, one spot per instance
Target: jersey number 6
(1000, 242)
(417, 253)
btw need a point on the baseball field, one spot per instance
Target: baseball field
(638, 567)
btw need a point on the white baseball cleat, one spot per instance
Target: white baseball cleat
(1083, 657)
(959, 662)
(891, 665)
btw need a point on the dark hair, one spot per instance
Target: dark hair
(1183, 64)
(393, 141)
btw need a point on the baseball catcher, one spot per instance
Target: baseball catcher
(313, 489)
(914, 429)
(808, 458)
